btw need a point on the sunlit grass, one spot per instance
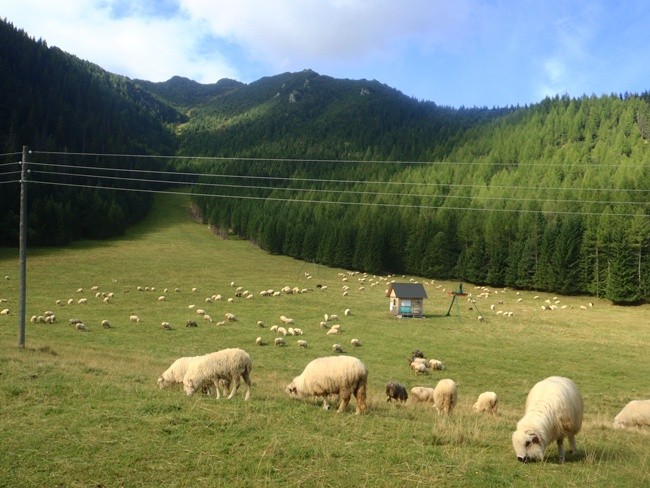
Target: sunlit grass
(82, 409)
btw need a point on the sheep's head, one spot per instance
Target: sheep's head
(528, 445)
(189, 386)
(162, 383)
(292, 390)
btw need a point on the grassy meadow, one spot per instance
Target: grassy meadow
(83, 408)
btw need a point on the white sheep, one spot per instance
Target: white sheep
(634, 414)
(166, 325)
(207, 318)
(301, 343)
(333, 375)
(134, 318)
(553, 411)
(106, 324)
(176, 372)
(80, 326)
(347, 312)
(279, 341)
(82, 301)
(230, 365)
(487, 402)
(422, 394)
(337, 348)
(259, 341)
(436, 365)
(445, 396)
(297, 331)
(420, 367)
(333, 331)
(355, 342)
(282, 331)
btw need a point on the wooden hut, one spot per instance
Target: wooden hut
(406, 299)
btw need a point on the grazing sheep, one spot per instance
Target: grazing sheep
(445, 395)
(297, 331)
(229, 365)
(422, 394)
(553, 411)
(175, 373)
(634, 414)
(166, 326)
(279, 341)
(274, 328)
(80, 326)
(396, 391)
(200, 311)
(416, 354)
(419, 367)
(207, 318)
(82, 301)
(347, 312)
(333, 331)
(134, 318)
(333, 375)
(436, 365)
(260, 323)
(487, 402)
(259, 341)
(337, 348)
(355, 342)
(230, 317)
(301, 343)
(191, 323)
(282, 330)
(106, 324)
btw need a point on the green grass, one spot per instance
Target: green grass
(83, 409)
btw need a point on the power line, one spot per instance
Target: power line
(333, 191)
(330, 202)
(10, 154)
(357, 182)
(299, 160)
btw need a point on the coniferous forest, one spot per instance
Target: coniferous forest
(553, 196)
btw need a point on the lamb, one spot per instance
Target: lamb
(634, 414)
(436, 365)
(445, 395)
(422, 394)
(230, 365)
(553, 411)
(176, 372)
(396, 391)
(333, 375)
(487, 402)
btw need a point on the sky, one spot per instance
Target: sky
(471, 53)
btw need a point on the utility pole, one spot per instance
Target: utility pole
(22, 246)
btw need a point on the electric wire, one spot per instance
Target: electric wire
(333, 191)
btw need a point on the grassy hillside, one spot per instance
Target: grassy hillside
(82, 409)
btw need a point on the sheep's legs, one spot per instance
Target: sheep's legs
(560, 449)
(247, 380)
(235, 387)
(345, 399)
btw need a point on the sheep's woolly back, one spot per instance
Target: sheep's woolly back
(228, 364)
(634, 414)
(487, 402)
(553, 410)
(176, 372)
(333, 375)
(422, 394)
(445, 395)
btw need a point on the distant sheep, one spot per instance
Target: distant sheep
(344, 376)
(337, 348)
(436, 365)
(396, 391)
(230, 365)
(487, 402)
(634, 414)
(282, 331)
(207, 318)
(301, 343)
(553, 411)
(191, 323)
(259, 341)
(445, 396)
(422, 394)
(134, 318)
(166, 326)
(355, 342)
(106, 324)
(419, 367)
(279, 341)
(347, 312)
(80, 326)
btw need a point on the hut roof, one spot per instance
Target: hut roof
(407, 290)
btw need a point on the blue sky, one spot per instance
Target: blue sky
(452, 52)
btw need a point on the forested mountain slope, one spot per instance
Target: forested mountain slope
(349, 173)
(52, 101)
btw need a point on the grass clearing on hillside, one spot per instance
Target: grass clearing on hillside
(83, 408)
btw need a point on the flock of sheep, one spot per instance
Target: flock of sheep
(553, 408)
